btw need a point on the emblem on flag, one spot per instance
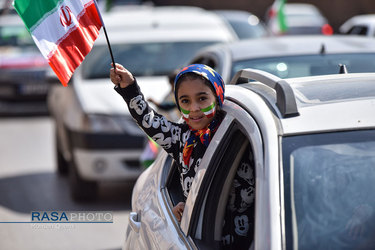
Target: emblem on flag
(65, 16)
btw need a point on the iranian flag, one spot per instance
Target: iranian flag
(277, 17)
(64, 31)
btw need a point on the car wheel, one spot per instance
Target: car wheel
(62, 164)
(80, 189)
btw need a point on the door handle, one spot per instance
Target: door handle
(134, 223)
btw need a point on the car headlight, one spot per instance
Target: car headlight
(110, 124)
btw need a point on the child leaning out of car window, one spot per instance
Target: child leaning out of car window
(199, 94)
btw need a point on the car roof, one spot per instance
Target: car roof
(166, 23)
(234, 14)
(335, 102)
(369, 18)
(294, 45)
(301, 9)
(323, 103)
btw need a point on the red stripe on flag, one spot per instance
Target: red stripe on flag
(72, 50)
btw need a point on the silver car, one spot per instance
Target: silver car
(300, 18)
(291, 56)
(312, 141)
(244, 24)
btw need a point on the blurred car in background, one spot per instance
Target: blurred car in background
(363, 25)
(23, 87)
(300, 18)
(110, 5)
(291, 56)
(311, 153)
(6, 7)
(96, 138)
(245, 24)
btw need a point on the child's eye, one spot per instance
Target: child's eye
(202, 98)
(184, 101)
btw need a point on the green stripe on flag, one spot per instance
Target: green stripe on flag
(31, 11)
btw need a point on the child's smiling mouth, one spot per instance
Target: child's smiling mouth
(196, 118)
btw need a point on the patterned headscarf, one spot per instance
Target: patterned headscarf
(208, 73)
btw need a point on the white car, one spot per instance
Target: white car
(96, 138)
(244, 24)
(312, 145)
(363, 25)
(301, 18)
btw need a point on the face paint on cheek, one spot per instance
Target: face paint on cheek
(210, 111)
(185, 114)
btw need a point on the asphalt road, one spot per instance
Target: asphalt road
(29, 182)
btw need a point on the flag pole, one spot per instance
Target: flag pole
(109, 47)
(106, 36)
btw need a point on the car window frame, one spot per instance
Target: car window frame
(236, 118)
(218, 203)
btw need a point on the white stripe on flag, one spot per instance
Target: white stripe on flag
(47, 40)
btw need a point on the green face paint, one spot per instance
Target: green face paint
(208, 111)
(185, 113)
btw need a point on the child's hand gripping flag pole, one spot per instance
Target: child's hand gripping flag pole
(64, 31)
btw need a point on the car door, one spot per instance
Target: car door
(237, 136)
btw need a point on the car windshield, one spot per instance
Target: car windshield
(248, 30)
(142, 59)
(309, 65)
(328, 190)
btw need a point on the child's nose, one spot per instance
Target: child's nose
(195, 106)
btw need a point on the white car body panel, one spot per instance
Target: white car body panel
(154, 227)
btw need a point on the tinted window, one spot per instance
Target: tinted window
(329, 183)
(245, 30)
(309, 65)
(358, 30)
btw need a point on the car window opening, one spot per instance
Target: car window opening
(234, 173)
